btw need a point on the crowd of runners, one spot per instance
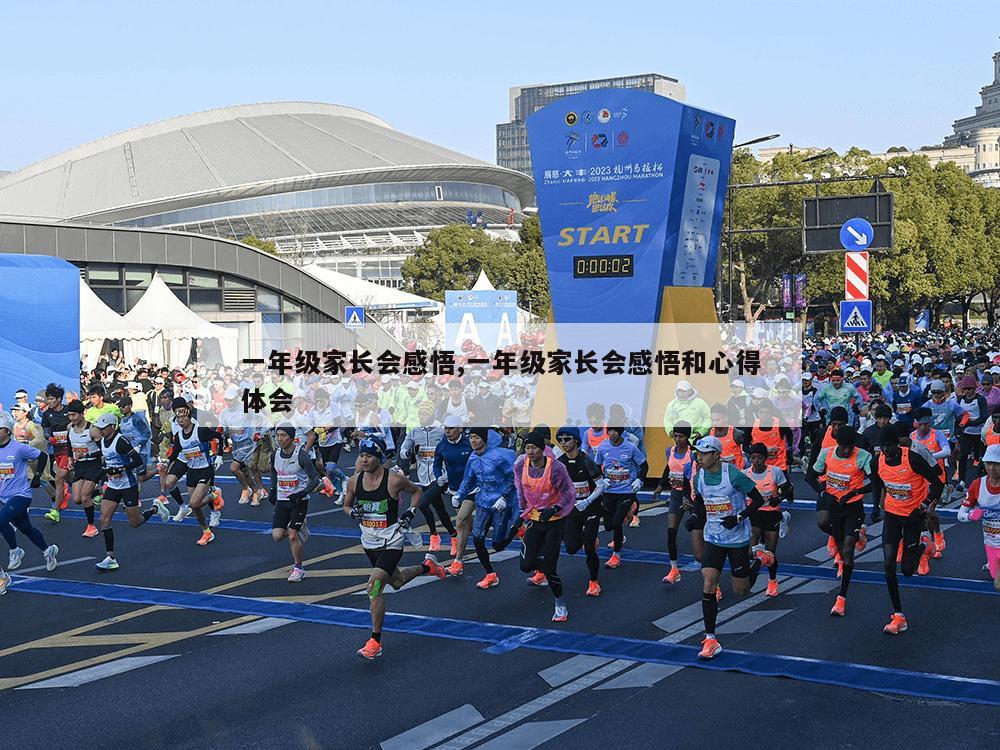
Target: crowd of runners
(908, 421)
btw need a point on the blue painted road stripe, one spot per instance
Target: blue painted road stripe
(842, 674)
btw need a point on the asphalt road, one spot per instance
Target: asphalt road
(96, 660)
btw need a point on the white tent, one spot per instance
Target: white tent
(98, 323)
(159, 307)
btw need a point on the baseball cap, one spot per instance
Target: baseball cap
(708, 444)
(807, 376)
(451, 421)
(992, 455)
(158, 380)
(134, 386)
(937, 385)
(106, 420)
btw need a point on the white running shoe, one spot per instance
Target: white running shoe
(414, 539)
(561, 614)
(304, 532)
(296, 575)
(4, 582)
(339, 500)
(16, 555)
(214, 518)
(183, 513)
(50, 557)
(786, 521)
(161, 510)
(108, 563)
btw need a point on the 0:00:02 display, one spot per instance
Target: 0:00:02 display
(602, 266)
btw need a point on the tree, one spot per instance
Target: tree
(263, 245)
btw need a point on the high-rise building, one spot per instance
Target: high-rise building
(512, 138)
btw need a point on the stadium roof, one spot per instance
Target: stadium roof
(233, 152)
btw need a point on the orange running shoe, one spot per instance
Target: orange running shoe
(218, 503)
(718, 593)
(924, 566)
(91, 531)
(593, 589)
(538, 579)
(939, 543)
(899, 553)
(614, 561)
(673, 576)
(772, 587)
(489, 581)
(435, 544)
(840, 569)
(207, 537)
(454, 546)
(327, 488)
(862, 542)
(520, 532)
(244, 497)
(831, 546)
(434, 568)
(896, 625)
(839, 607)
(710, 648)
(371, 649)
(766, 557)
(456, 568)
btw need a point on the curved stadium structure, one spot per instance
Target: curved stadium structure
(324, 182)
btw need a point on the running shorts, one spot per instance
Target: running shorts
(200, 476)
(129, 496)
(289, 514)
(846, 520)
(385, 559)
(88, 471)
(766, 520)
(714, 556)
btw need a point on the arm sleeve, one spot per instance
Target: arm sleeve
(309, 467)
(125, 448)
(563, 486)
(518, 465)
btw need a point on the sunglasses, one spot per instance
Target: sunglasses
(566, 438)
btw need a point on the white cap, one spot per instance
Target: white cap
(807, 375)
(451, 420)
(158, 380)
(6, 421)
(684, 385)
(897, 363)
(232, 392)
(759, 393)
(707, 444)
(413, 384)
(386, 379)
(992, 454)
(107, 419)
(995, 370)
(134, 385)
(738, 383)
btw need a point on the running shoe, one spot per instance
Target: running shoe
(371, 650)
(434, 568)
(304, 532)
(772, 587)
(4, 582)
(414, 539)
(862, 542)
(839, 607)
(896, 625)
(561, 614)
(97, 497)
(614, 561)
(939, 545)
(924, 566)
(218, 501)
(207, 537)
(108, 563)
(634, 523)
(710, 648)
(184, 512)
(784, 524)
(489, 581)
(161, 510)
(538, 579)
(244, 497)
(91, 531)
(263, 494)
(718, 593)
(673, 576)
(50, 557)
(765, 556)
(456, 568)
(454, 546)
(339, 500)
(52, 515)
(435, 543)
(959, 492)
(296, 575)
(520, 532)
(255, 498)
(214, 518)
(593, 589)
(327, 488)
(16, 555)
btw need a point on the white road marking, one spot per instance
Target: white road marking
(530, 735)
(62, 563)
(92, 674)
(439, 728)
(257, 626)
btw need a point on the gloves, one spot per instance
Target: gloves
(456, 502)
(500, 505)
(546, 515)
(582, 504)
(442, 480)
(730, 522)
(976, 514)
(297, 497)
(774, 502)
(217, 462)
(636, 485)
(963, 513)
(357, 512)
(406, 518)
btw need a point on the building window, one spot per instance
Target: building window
(104, 275)
(438, 193)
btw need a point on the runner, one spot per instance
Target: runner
(372, 499)
(969, 444)
(191, 458)
(546, 496)
(29, 432)
(451, 456)
(677, 476)
(940, 449)
(625, 468)
(983, 504)
(840, 510)
(911, 487)
(238, 427)
(55, 426)
(96, 394)
(597, 433)
(721, 492)
(85, 463)
(581, 527)
(134, 427)
(293, 477)
(774, 486)
(330, 442)
(120, 461)
(490, 468)
(15, 497)
(732, 439)
(421, 444)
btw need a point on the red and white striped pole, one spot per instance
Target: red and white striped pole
(855, 276)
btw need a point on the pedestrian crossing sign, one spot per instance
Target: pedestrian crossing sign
(354, 317)
(856, 316)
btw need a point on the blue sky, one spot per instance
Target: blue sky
(874, 74)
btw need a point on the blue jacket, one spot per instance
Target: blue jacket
(135, 429)
(492, 472)
(453, 458)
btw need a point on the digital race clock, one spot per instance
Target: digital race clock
(603, 266)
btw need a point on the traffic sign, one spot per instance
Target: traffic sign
(856, 316)
(855, 276)
(823, 220)
(856, 234)
(354, 317)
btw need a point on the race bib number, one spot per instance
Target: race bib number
(677, 480)
(425, 454)
(192, 454)
(60, 437)
(6, 470)
(898, 490)
(80, 453)
(618, 475)
(903, 407)
(288, 485)
(837, 481)
(718, 508)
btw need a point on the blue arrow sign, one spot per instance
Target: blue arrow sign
(354, 317)
(856, 234)
(856, 316)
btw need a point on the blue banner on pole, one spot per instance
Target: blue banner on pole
(487, 318)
